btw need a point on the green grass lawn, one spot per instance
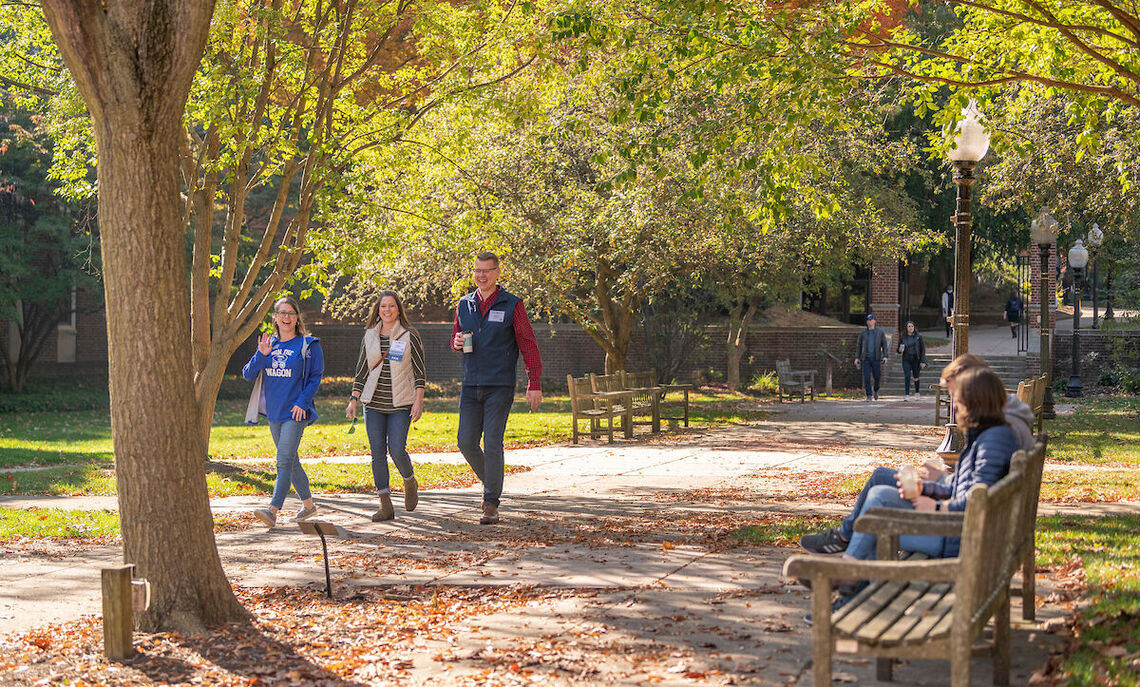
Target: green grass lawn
(84, 436)
(1103, 430)
(235, 480)
(1107, 631)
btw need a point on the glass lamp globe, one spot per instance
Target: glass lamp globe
(1078, 255)
(1043, 229)
(1096, 236)
(971, 143)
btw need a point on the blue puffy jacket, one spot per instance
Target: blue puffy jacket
(985, 460)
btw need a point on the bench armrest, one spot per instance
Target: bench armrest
(892, 521)
(835, 568)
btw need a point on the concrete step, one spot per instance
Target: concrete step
(1010, 368)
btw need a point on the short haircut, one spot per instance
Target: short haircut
(487, 255)
(982, 397)
(966, 361)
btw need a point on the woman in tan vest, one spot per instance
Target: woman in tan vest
(390, 381)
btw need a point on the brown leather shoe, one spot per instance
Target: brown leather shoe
(490, 515)
(411, 494)
(385, 511)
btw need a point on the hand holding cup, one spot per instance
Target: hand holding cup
(908, 482)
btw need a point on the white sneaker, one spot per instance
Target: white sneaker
(906, 398)
(918, 394)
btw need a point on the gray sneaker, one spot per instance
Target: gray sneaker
(828, 541)
(266, 516)
(304, 513)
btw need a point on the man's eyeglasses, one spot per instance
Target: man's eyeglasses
(486, 271)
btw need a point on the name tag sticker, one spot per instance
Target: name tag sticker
(396, 351)
(495, 316)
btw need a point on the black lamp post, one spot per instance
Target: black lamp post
(1043, 231)
(970, 145)
(1078, 259)
(1095, 237)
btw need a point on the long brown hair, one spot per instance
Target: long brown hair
(982, 397)
(300, 320)
(374, 315)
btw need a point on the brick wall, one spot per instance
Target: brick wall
(885, 294)
(1099, 351)
(566, 349)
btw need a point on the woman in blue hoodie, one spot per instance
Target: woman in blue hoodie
(287, 368)
(990, 443)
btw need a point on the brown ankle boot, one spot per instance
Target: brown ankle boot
(411, 494)
(385, 511)
(490, 515)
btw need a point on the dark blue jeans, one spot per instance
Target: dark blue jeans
(483, 412)
(872, 368)
(911, 368)
(388, 436)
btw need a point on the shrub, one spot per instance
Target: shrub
(764, 383)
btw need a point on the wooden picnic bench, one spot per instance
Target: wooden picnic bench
(924, 608)
(793, 381)
(586, 404)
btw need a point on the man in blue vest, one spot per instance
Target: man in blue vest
(491, 329)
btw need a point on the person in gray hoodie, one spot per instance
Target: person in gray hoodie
(870, 354)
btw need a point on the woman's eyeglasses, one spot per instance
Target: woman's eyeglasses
(284, 313)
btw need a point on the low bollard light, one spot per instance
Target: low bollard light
(322, 529)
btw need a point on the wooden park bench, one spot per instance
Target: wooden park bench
(612, 387)
(941, 404)
(678, 404)
(585, 404)
(793, 381)
(645, 398)
(924, 608)
(1031, 392)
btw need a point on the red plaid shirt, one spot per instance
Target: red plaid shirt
(524, 338)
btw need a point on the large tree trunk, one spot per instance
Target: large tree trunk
(738, 322)
(132, 63)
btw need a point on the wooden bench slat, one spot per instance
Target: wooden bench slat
(908, 595)
(915, 625)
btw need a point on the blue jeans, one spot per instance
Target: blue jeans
(911, 368)
(388, 436)
(483, 412)
(879, 477)
(862, 545)
(287, 437)
(872, 367)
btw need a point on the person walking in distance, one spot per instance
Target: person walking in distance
(1012, 314)
(491, 330)
(870, 354)
(286, 370)
(390, 382)
(948, 308)
(913, 351)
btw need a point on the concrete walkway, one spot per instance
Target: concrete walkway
(634, 532)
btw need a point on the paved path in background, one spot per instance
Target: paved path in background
(634, 527)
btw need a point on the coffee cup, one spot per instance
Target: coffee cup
(468, 342)
(908, 480)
